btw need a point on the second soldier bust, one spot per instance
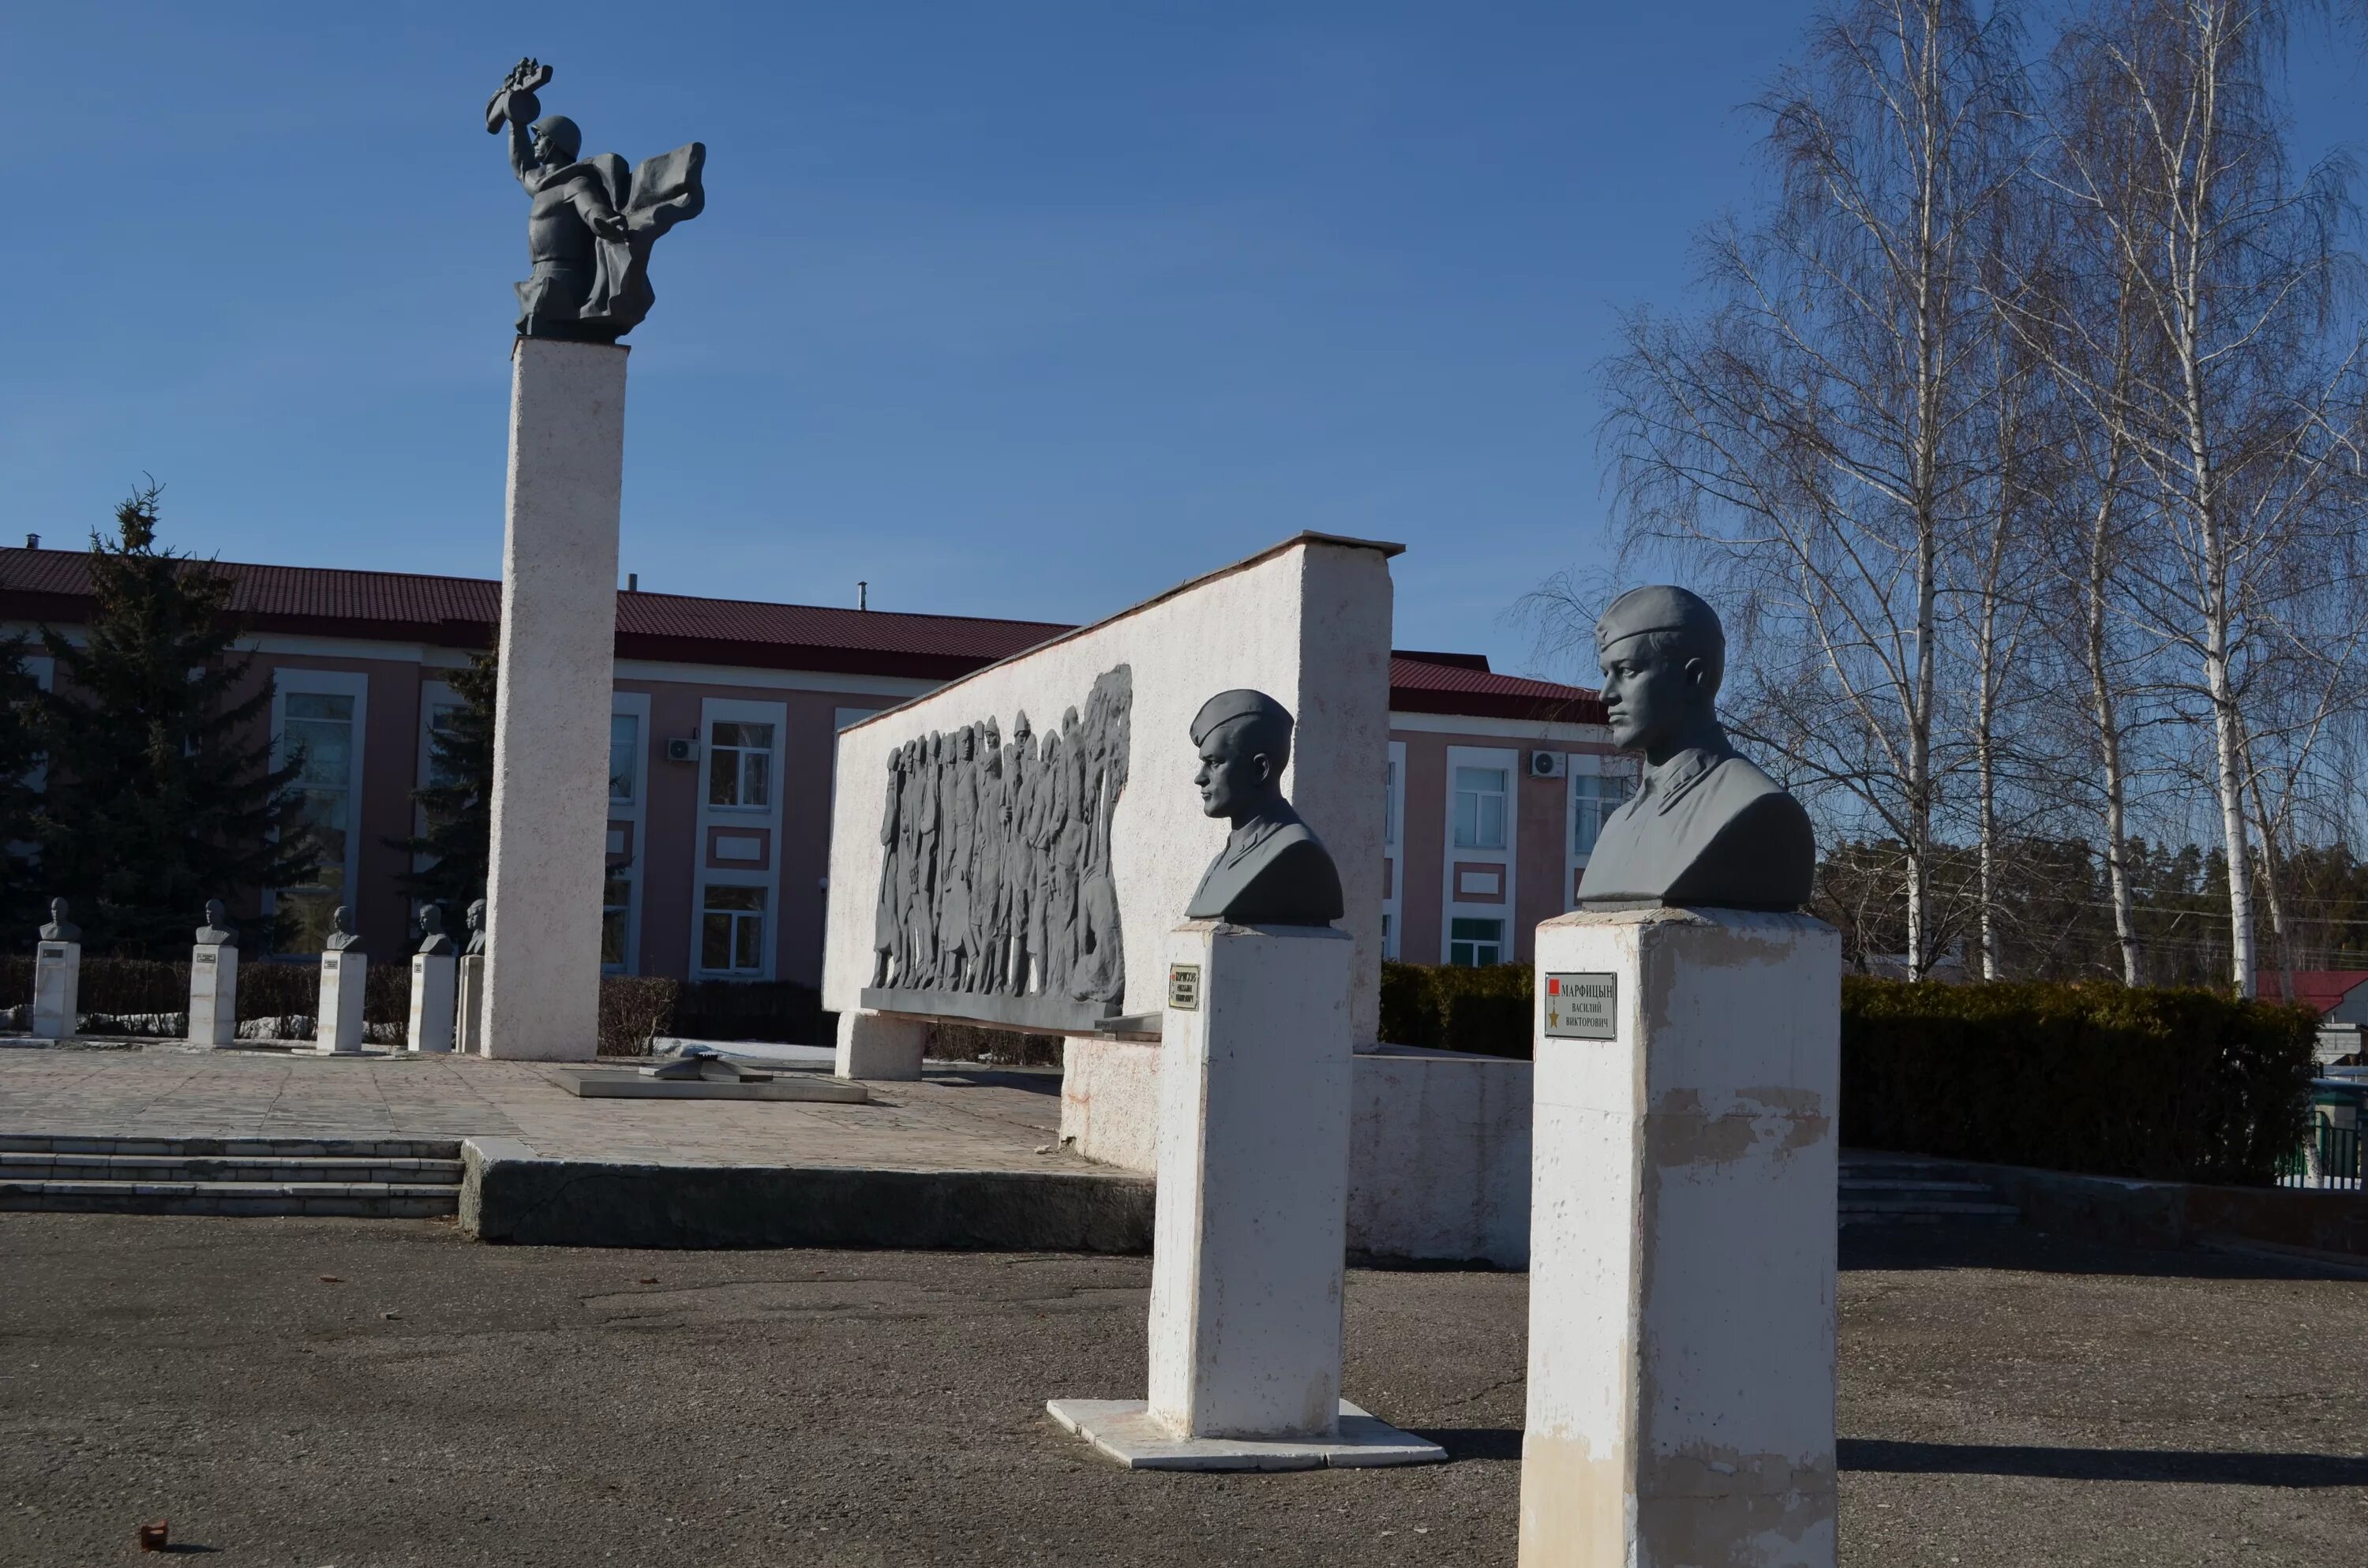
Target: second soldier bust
(1273, 869)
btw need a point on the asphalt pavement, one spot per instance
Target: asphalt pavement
(315, 1392)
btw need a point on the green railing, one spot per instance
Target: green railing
(2328, 1159)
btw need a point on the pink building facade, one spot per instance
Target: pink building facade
(723, 731)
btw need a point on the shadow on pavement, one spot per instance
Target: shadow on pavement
(2020, 1248)
(2101, 1465)
(1474, 1442)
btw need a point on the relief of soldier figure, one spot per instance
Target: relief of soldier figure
(996, 857)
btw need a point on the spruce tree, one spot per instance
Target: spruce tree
(458, 799)
(161, 791)
(24, 895)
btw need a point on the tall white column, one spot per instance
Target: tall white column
(337, 1029)
(431, 1003)
(213, 996)
(57, 989)
(551, 726)
(1681, 1250)
(1252, 1227)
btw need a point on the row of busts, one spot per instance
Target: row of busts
(218, 932)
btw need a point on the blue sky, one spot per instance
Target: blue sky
(1024, 310)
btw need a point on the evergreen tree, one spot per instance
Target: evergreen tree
(24, 896)
(458, 799)
(161, 791)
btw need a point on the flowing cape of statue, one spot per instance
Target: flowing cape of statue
(659, 193)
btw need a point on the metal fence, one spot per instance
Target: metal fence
(2328, 1159)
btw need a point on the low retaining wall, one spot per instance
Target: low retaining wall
(2177, 1214)
(510, 1194)
(1439, 1145)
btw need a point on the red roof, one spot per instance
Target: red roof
(53, 585)
(2316, 989)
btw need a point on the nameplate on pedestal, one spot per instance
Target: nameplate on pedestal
(206, 956)
(1184, 987)
(1582, 1007)
(51, 952)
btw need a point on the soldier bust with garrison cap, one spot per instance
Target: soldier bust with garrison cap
(1273, 869)
(1705, 827)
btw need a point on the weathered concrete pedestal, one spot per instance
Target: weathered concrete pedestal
(470, 1005)
(337, 1029)
(551, 722)
(431, 1003)
(1681, 1253)
(57, 990)
(1252, 1226)
(213, 996)
(878, 1045)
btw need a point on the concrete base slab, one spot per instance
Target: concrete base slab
(593, 1086)
(1124, 1429)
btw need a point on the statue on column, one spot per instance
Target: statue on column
(1273, 869)
(593, 222)
(1705, 828)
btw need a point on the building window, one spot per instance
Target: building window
(740, 762)
(1594, 797)
(616, 906)
(321, 726)
(1480, 808)
(1389, 939)
(1390, 802)
(1473, 943)
(624, 741)
(732, 926)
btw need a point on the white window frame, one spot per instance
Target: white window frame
(767, 874)
(1509, 760)
(1393, 851)
(636, 706)
(327, 683)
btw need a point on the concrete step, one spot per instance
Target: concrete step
(1850, 1184)
(1926, 1211)
(374, 1200)
(230, 1148)
(348, 1169)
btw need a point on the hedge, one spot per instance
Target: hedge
(2169, 1085)
(1483, 1011)
(633, 1008)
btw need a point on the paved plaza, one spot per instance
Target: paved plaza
(2007, 1401)
(987, 1118)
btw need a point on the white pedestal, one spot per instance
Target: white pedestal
(1681, 1251)
(472, 1004)
(878, 1045)
(337, 1029)
(431, 1003)
(550, 725)
(1247, 1252)
(57, 989)
(213, 996)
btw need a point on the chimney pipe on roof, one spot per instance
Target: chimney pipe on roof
(862, 594)
(32, 542)
(633, 582)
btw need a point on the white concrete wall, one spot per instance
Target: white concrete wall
(1307, 623)
(550, 725)
(1681, 1271)
(1439, 1143)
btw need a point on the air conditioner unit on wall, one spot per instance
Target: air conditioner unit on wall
(682, 748)
(1548, 765)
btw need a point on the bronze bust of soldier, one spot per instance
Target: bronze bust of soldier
(1273, 869)
(1706, 827)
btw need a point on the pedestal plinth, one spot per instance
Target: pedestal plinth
(1681, 1250)
(57, 989)
(1252, 1226)
(551, 722)
(431, 1003)
(470, 1005)
(213, 996)
(878, 1045)
(337, 1029)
